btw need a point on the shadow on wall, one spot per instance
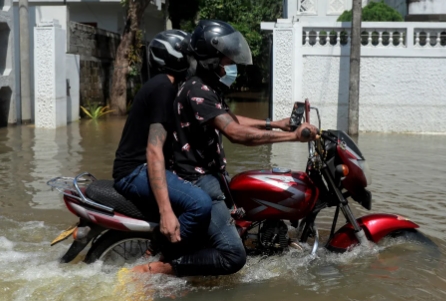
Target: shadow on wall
(5, 100)
(343, 88)
(4, 36)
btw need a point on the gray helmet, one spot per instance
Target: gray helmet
(167, 52)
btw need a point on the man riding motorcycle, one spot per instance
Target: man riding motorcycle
(201, 117)
(144, 156)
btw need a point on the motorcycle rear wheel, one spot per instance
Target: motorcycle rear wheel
(116, 248)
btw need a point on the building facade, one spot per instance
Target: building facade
(97, 21)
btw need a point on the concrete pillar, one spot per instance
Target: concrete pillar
(25, 69)
(283, 68)
(50, 75)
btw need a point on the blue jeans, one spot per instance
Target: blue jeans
(224, 252)
(190, 204)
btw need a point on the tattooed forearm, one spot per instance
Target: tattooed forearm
(263, 137)
(157, 134)
(157, 175)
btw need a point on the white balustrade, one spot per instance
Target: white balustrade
(375, 35)
(403, 72)
(430, 37)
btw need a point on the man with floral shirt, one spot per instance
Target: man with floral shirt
(202, 117)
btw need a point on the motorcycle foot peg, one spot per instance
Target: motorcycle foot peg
(237, 213)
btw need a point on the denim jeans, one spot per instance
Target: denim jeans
(190, 204)
(224, 252)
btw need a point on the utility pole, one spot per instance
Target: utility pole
(25, 75)
(355, 57)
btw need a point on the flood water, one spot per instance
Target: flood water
(408, 178)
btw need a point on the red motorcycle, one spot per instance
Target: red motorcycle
(263, 200)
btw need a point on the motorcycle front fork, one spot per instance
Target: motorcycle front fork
(359, 232)
(345, 208)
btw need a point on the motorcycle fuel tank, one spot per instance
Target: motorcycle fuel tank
(274, 194)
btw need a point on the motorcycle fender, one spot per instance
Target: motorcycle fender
(375, 226)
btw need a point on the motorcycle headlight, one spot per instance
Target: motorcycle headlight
(366, 170)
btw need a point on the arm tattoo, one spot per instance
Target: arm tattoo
(157, 181)
(224, 120)
(263, 136)
(157, 134)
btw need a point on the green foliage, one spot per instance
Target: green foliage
(94, 111)
(374, 12)
(245, 16)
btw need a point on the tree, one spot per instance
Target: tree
(355, 58)
(130, 39)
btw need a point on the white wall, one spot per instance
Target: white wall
(104, 14)
(422, 7)
(403, 86)
(396, 94)
(48, 13)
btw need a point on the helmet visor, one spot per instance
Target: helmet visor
(234, 46)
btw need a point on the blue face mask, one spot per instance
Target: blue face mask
(231, 75)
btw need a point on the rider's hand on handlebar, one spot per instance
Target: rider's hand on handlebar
(283, 124)
(306, 132)
(170, 227)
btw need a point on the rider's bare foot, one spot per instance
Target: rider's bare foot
(156, 267)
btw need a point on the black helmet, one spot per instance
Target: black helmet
(167, 52)
(213, 39)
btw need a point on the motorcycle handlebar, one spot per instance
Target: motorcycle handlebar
(306, 133)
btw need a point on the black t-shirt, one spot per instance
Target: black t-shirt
(198, 147)
(152, 104)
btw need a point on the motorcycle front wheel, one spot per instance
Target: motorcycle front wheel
(116, 248)
(409, 236)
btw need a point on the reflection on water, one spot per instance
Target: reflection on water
(408, 179)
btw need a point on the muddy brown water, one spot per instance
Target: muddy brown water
(408, 178)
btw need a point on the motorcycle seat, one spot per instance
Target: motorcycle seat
(103, 192)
